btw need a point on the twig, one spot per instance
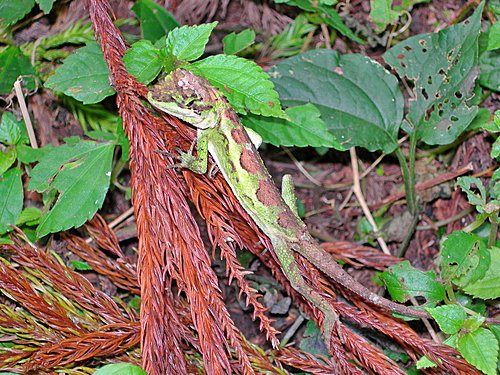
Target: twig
(124, 216)
(301, 167)
(356, 187)
(291, 331)
(425, 185)
(436, 224)
(24, 111)
(426, 322)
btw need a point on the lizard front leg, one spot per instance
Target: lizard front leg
(198, 163)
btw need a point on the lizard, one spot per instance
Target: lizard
(232, 147)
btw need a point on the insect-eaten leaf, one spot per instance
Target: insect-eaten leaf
(403, 281)
(80, 172)
(359, 100)
(443, 67)
(464, 258)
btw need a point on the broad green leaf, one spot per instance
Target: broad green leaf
(403, 281)
(12, 131)
(13, 63)
(306, 128)
(45, 5)
(13, 11)
(236, 42)
(312, 341)
(155, 20)
(7, 158)
(29, 216)
(80, 171)
(443, 67)
(359, 101)
(188, 42)
(382, 14)
(450, 318)
(488, 286)
(464, 258)
(490, 69)
(11, 201)
(494, 37)
(27, 155)
(83, 75)
(243, 82)
(480, 348)
(143, 61)
(120, 369)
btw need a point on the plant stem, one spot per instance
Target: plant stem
(493, 230)
(408, 178)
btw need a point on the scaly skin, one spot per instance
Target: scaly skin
(220, 133)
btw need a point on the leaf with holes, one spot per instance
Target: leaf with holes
(80, 171)
(464, 258)
(487, 287)
(359, 100)
(444, 68)
(403, 281)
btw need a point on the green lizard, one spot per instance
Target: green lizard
(220, 133)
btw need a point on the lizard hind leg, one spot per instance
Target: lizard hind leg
(297, 281)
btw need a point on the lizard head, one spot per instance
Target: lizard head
(188, 97)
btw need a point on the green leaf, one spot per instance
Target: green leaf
(45, 5)
(382, 14)
(466, 184)
(80, 266)
(443, 66)
(243, 82)
(27, 155)
(120, 369)
(464, 258)
(13, 11)
(312, 342)
(450, 318)
(84, 75)
(143, 61)
(306, 128)
(480, 348)
(80, 171)
(11, 203)
(328, 15)
(155, 20)
(12, 131)
(188, 42)
(487, 287)
(494, 37)
(490, 69)
(13, 63)
(7, 158)
(403, 281)
(29, 216)
(360, 102)
(234, 43)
